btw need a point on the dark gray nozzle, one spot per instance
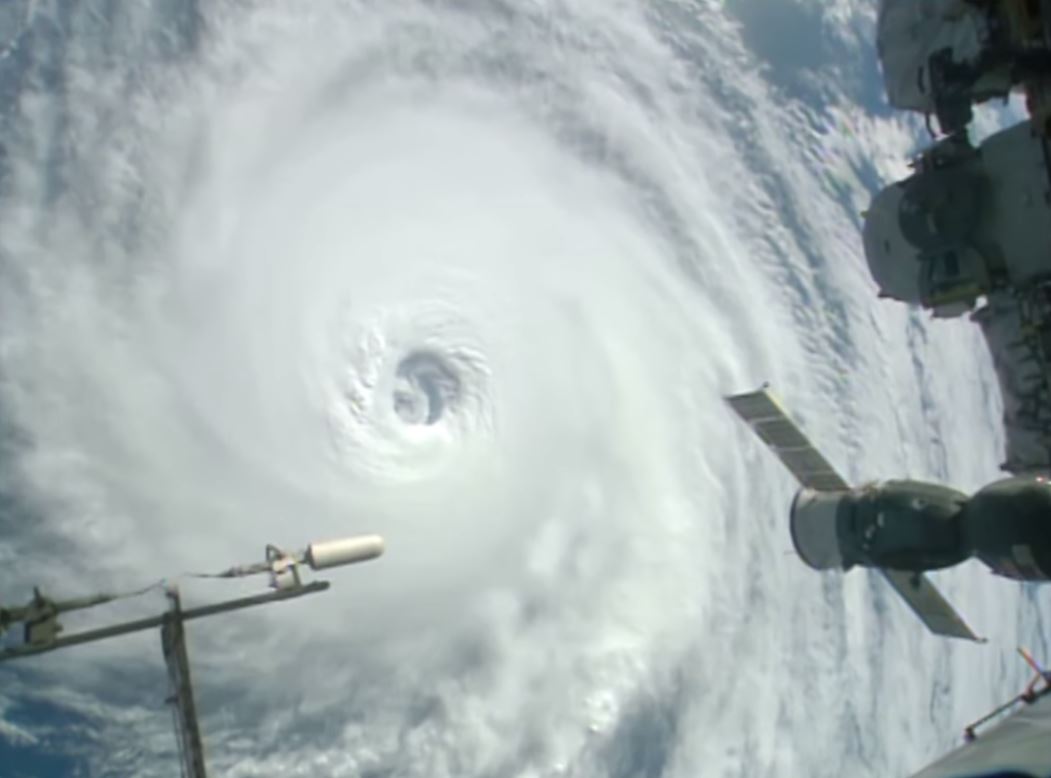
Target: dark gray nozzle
(813, 525)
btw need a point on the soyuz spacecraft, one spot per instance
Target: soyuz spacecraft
(905, 528)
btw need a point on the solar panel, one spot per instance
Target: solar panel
(929, 604)
(764, 414)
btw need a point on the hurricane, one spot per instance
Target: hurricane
(474, 277)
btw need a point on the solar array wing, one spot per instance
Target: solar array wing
(764, 414)
(929, 604)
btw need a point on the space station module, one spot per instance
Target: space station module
(970, 231)
(1019, 746)
(939, 57)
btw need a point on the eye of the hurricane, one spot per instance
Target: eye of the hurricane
(426, 388)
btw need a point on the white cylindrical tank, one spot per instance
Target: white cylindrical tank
(812, 522)
(345, 551)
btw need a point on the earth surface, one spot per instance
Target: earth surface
(473, 276)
